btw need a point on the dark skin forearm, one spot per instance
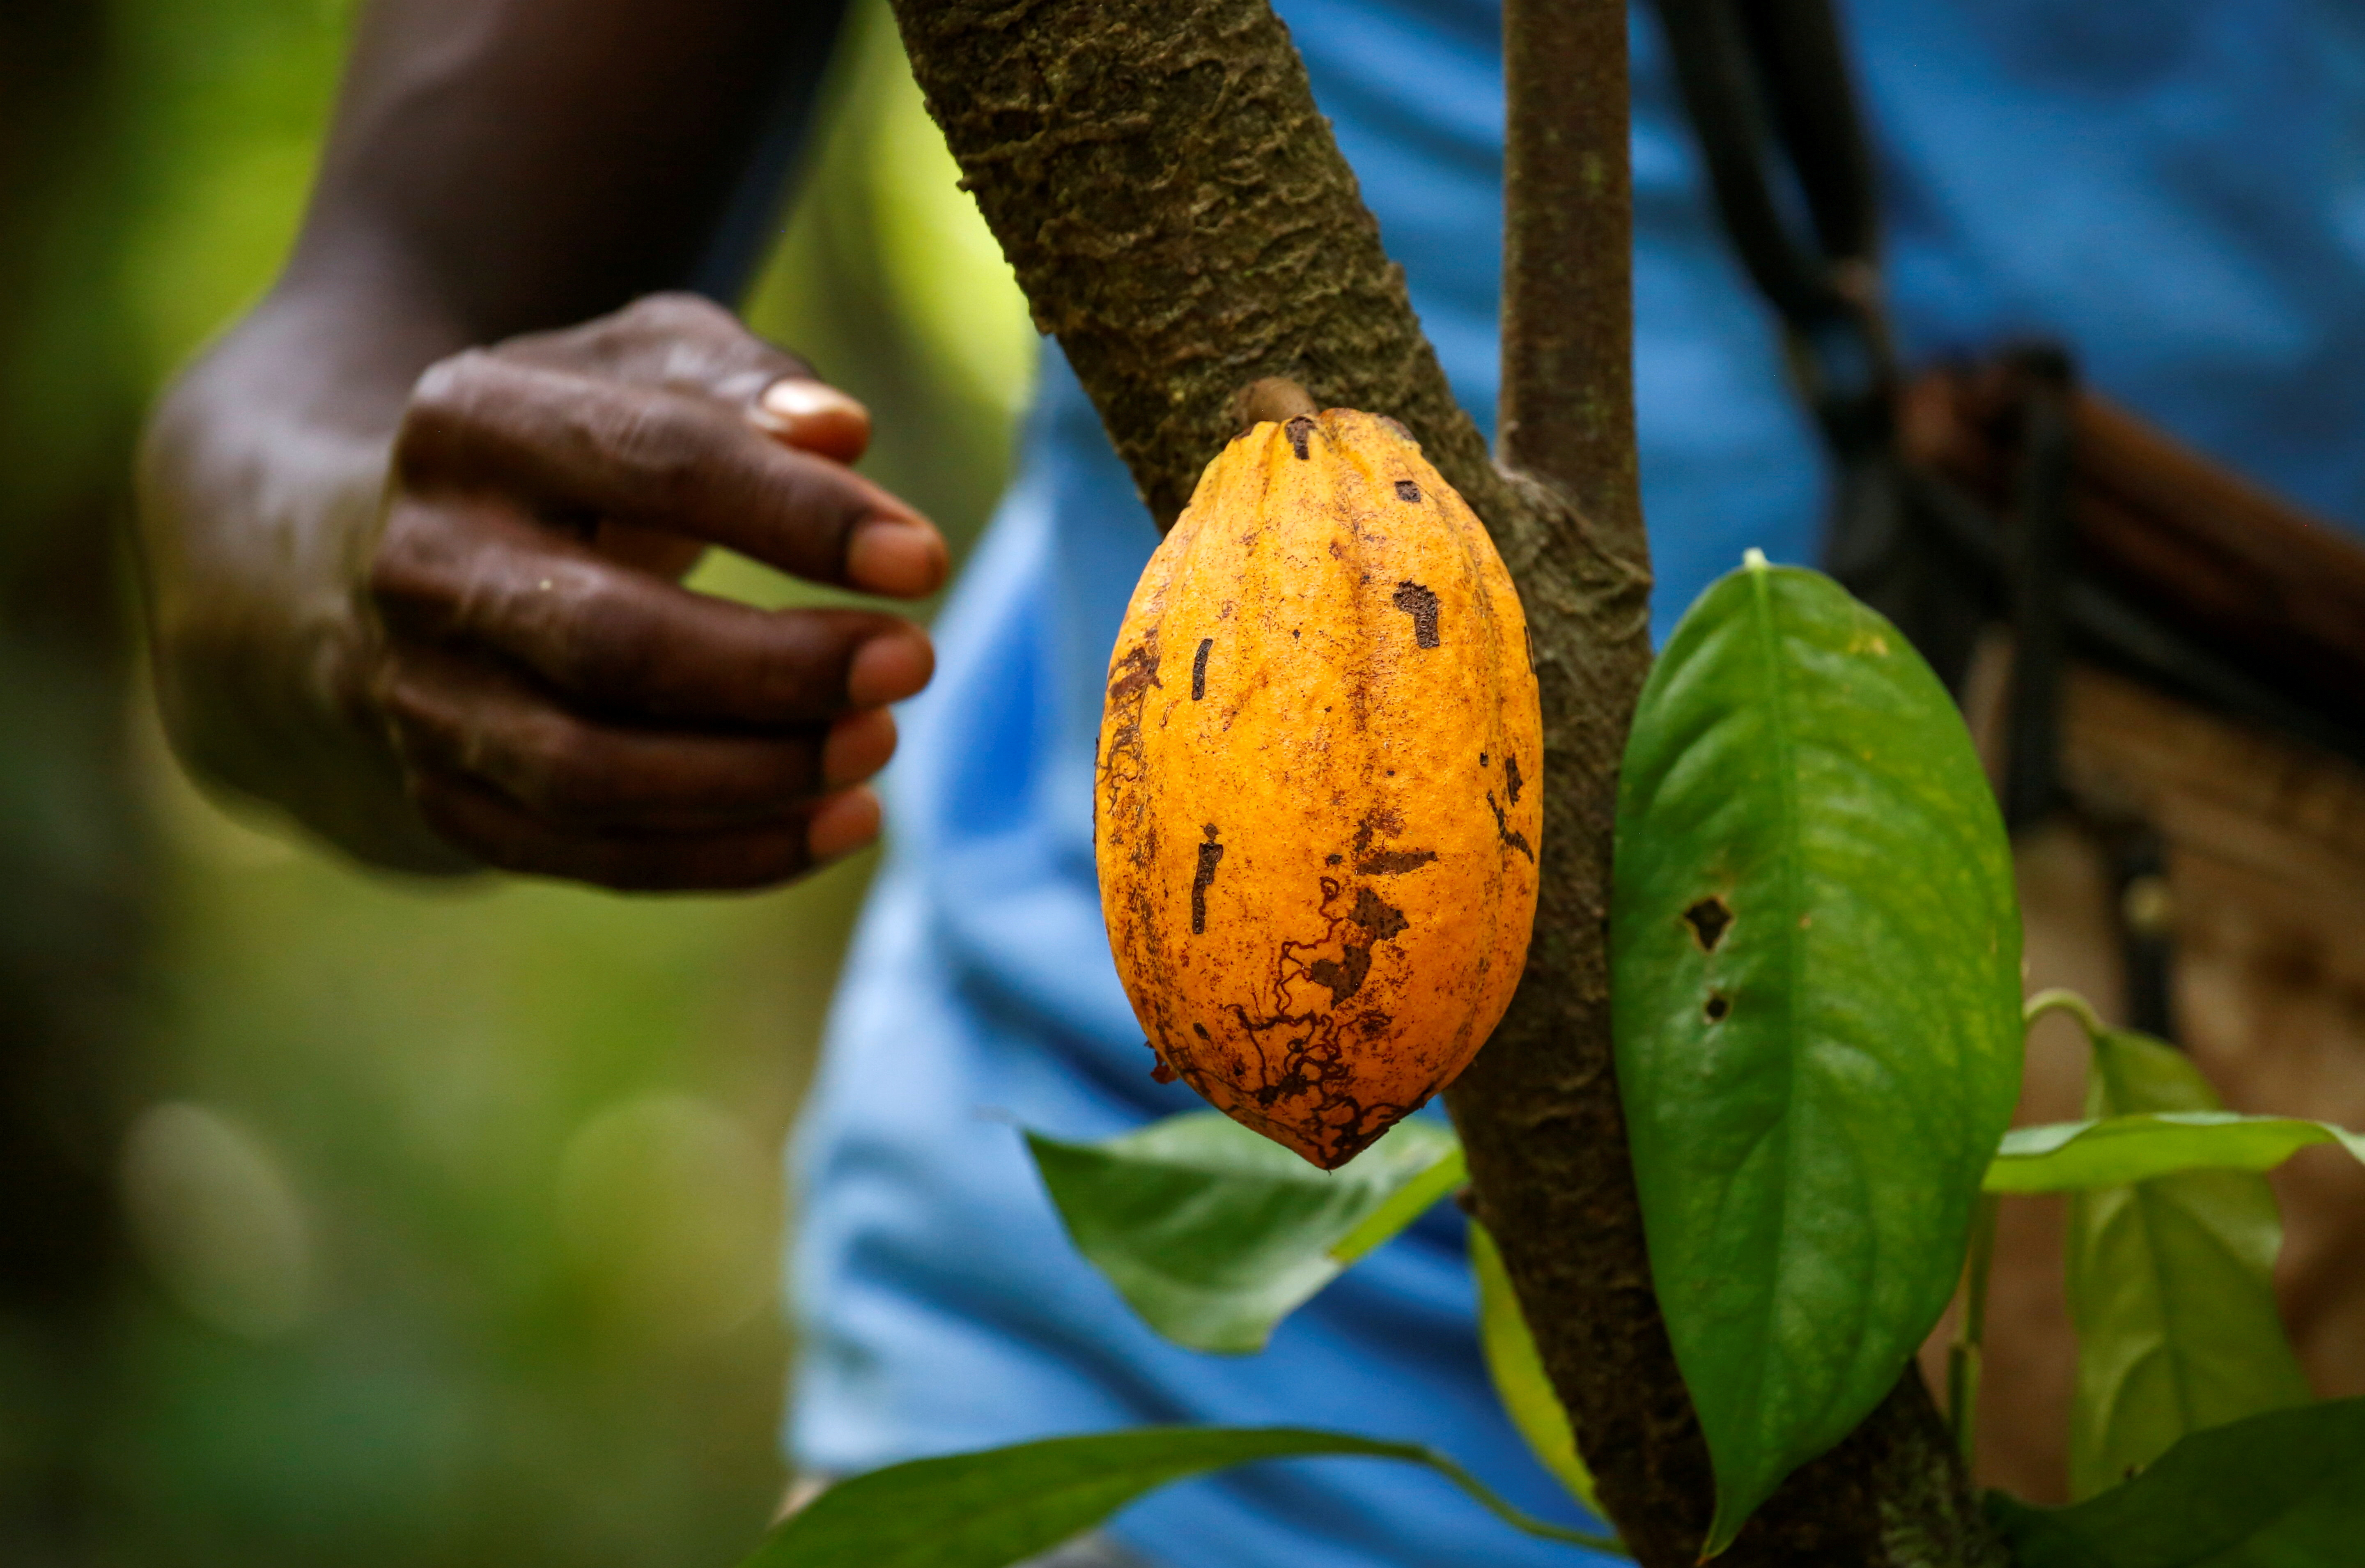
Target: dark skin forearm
(418, 593)
(533, 163)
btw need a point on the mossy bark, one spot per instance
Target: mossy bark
(1181, 221)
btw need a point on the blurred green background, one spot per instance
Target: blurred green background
(346, 1221)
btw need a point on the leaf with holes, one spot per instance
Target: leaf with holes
(1518, 1370)
(1816, 998)
(2171, 1286)
(1001, 1507)
(1215, 1234)
(2282, 1490)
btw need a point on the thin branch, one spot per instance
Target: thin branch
(1568, 338)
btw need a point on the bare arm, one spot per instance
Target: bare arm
(411, 537)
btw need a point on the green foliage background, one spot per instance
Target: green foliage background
(446, 1219)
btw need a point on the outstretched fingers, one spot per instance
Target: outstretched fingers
(505, 836)
(619, 641)
(654, 458)
(504, 732)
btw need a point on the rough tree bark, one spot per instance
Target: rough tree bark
(1181, 221)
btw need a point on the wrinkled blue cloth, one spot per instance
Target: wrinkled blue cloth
(2176, 188)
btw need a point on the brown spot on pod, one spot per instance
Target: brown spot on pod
(1510, 836)
(1382, 920)
(1422, 605)
(1210, 853)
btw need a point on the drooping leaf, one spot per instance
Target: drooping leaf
(1816, 995)
(2069, 1157)
(1001, 1507)
(2282, 1490)
(2171, 1286)
(1518, 1370)
(1214, 1234)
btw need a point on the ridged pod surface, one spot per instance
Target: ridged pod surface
(1316, 813)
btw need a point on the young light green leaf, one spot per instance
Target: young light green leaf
(1001, 1507)
(1519, 1372)
(1816, 997)
(1409, 1201)
(1214, 1234)
(2069, 1157)
(2171, 1286)
(2282, 1490)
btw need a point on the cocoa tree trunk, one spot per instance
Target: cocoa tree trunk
(1181, 221)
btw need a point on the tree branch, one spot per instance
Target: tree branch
(1568, 239)
(1181, 221)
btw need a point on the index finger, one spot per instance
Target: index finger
(663, 460)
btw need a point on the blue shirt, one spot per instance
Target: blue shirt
(2176, 188)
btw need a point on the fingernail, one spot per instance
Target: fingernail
(889, 667)
(812, 416)
(795, 397)
(900, 556)
(860, 744)
(842, 825)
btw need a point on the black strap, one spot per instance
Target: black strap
(2037, 569)
(1767, 87)
(1765, 84)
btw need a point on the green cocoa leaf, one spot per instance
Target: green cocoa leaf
(1214, 1234)
(2282, 1490)
(1513, 1362)
(1003, 1505)
(1414, 1199)
(1816, 997)
(2171, 1286)
(2069, 1157)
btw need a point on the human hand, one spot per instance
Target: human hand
(559, 705)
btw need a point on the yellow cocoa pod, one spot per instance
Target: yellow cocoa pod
(1316, 813)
